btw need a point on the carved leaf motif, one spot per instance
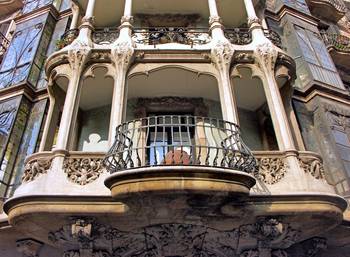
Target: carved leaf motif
(250, 253)
(313, 167)
(36, 167)
(271, 170)
(83, 171)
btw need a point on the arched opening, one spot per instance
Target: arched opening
(254, 115)
(91, 129)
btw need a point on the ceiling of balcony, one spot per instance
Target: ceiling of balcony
(173, 82)
(9, 6)
(109, 12)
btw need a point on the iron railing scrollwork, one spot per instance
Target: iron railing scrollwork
(239, 36)
(163, 35)
(336, 41)
(179, 140)
(105, 35)
(274, 37)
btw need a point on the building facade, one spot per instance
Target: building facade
(174, 128)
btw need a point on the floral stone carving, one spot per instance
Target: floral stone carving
(36, 167)
(313, 167)
(271, 170)
(83, 171)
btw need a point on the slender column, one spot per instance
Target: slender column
(221, 55)
(125, 29)
(88, 22)
(266, 55)
(121, 55)
(77, 61)
(254, 22)
(75, 17)
(127, 7)
(215, 22)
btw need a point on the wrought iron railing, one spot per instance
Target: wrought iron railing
(4, 44)
(67, 38)
(163, 35)
(336, 41)
(239, 36)
(105, 35)
(274, 37)
(179, 140)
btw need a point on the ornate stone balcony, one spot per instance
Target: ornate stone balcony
(164, 35)
(274, 37)
(173, 148)
(339, 48)
(329, 9)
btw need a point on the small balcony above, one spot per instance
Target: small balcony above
(332, 10)
(338, 47)
(179, 153)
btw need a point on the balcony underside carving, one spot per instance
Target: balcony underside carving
(339, 48)
(329, 9)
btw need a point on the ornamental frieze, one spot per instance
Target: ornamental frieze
(271, 170)
(86, 237)
(83, 171)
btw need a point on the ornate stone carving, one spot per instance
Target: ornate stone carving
(214, 19)
(161, 104)
(221, 54)
(239, 36)
(122, 54)
(128, 19)
(271, 170)
(314, 246)
(83, 171)
(253, 20)
(29, 247)
(35, 168)
(267, 55)
(78, 58)
(243, 57)
(312, 166)
(105, 35)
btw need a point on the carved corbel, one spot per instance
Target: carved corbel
(77, 59)
(266, 56)
(221, 54)
(122, 54)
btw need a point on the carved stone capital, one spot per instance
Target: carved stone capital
(266, 54)
(77, 58)
(214, 19)
(253, 20)
(29, 247)
(122, 53)
(127, 19)
(88, 21)
(221, 54)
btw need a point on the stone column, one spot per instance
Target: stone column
(87, 26)
(253, 21)
(215, 22)
(121, 56)
(221, 55)
(77, 60)
(266, 55)
(75, 17)
(126, 22)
